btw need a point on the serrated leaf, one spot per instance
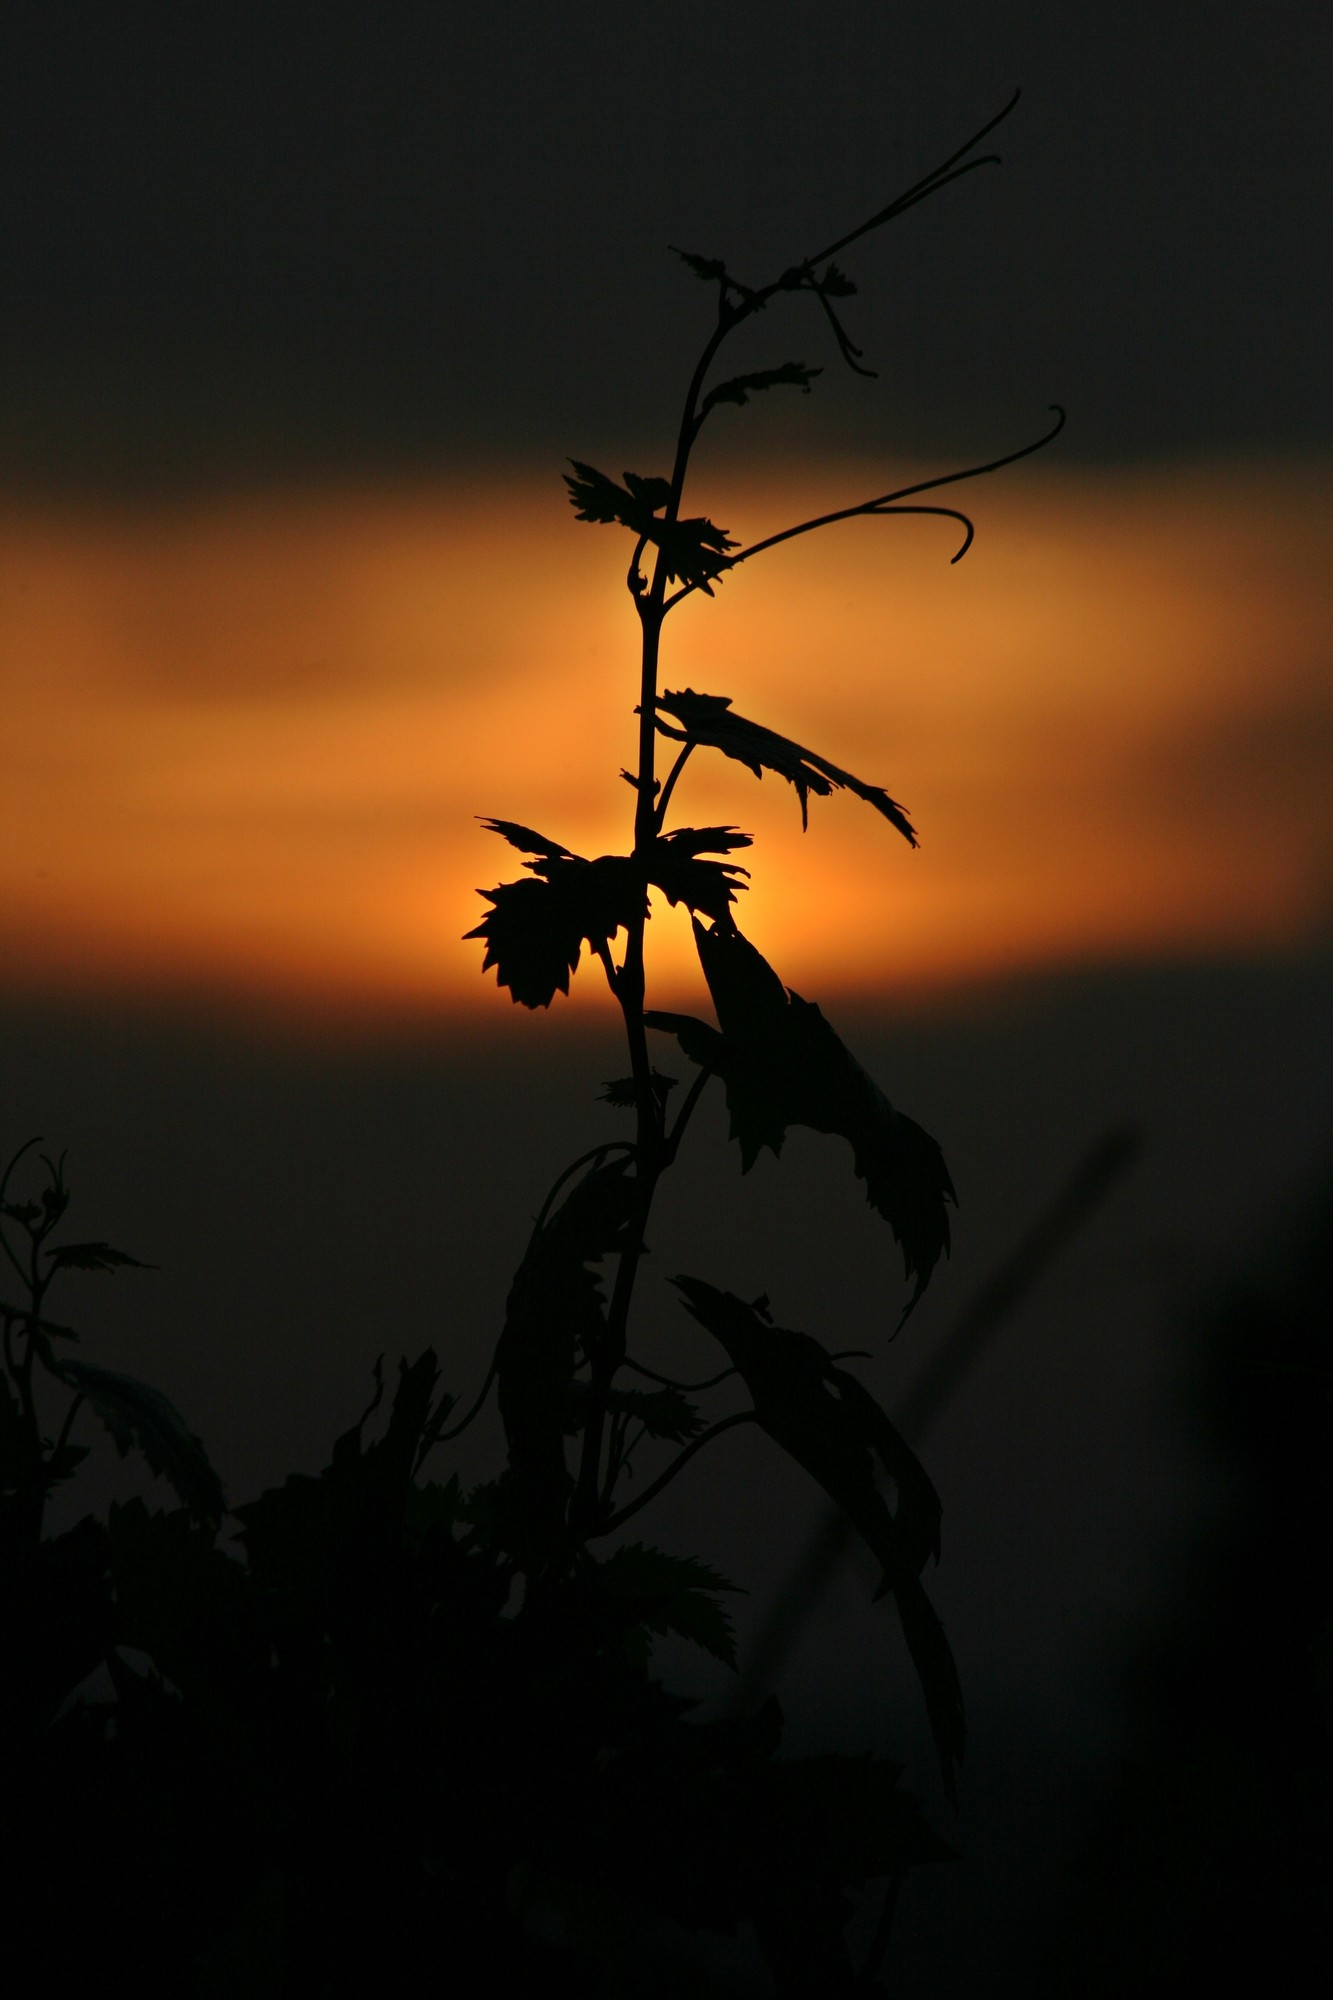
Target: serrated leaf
(526, 841)
(138, 1416)
(534, 934)
(595, 496)
(676, 866)
(711, 269)
(835, 284)
(695, 550)
(664, 1413)
(22, 1211)
(652, 493)
(94, 1257)
(829, 1423)
(621, 1091)
(535, 931)
(740, 388)
(553, 1316)
(783, 1065)
(710, 719)
(671, 1594)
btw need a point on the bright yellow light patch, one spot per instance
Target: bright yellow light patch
(245, 743)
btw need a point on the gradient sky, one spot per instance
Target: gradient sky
(307, 307)
(304, 306)
(250, 737)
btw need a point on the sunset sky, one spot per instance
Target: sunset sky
(304, 310)
(304, 322)
(248, 738)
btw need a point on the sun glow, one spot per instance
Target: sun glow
(245, 742)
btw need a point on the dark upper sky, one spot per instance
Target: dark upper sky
(240, 241)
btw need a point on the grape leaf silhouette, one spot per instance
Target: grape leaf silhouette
(676, 867)
(553, 1317)
(138, 1415)
(782, 1065)
(664, 1413)
(739, 388)
(710, 269)
(835, 284)
(93, 1257)
(695, 550)
(830, 1424)
(709, 719)
(536, 930)
(663, 1593)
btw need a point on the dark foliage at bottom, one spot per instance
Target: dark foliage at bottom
(352, 1762)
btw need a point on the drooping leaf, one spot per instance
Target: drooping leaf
(139, 1416)
(710, 719)
(740, 388)
(553, 1316)
(94, 1257)
(829, 1423)
(695, 550)
(666, 1593)
(698, 1040)
(782, 1065)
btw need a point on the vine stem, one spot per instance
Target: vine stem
(591, 1511)
(607, 1527)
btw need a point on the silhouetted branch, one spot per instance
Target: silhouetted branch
(677, 1465)
(670, 785)
(670, 1382)
(695, 1092)
(948, 170)
(888, 503)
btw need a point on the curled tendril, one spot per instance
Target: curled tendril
(890, 503)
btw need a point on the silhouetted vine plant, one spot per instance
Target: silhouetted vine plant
(403, 1732)
(564, 1353)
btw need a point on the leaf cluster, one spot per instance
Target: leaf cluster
(329, 1748)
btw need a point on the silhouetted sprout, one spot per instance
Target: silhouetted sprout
(565, 1341)
(359, 1750)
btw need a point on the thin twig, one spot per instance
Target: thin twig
(677, 1464)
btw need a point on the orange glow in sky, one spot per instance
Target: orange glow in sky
(245, 741)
